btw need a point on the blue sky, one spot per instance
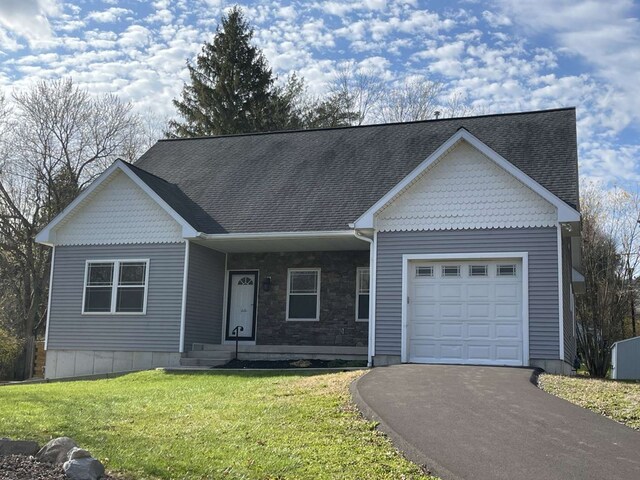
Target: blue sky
(500, 55)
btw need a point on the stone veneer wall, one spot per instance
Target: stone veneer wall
(337, 325)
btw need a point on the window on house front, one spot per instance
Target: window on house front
(362, 294)
(303, 294)
(117, 286)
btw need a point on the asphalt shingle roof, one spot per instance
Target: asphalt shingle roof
(325, 179)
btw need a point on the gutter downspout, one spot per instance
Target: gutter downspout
(372, 284)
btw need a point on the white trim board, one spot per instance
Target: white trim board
(47, 234)
(523, 256)
(560, 294)
(183, 309)
(565, 212)
(46, 332)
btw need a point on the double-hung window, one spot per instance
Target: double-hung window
(303, 294)
(362, 294)
(116, 286)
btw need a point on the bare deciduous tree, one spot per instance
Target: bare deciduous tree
(410, 101)
(57, 138)
(607, 230)
(359, 89)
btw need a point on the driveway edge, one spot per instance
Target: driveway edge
(401, 444)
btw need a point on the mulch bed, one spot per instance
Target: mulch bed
(21, 467)
(293, 364)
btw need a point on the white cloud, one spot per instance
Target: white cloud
(604, 34)
(109, 15)
(29, 18)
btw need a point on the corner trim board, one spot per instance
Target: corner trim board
(46, 333)
(185, 282)
(560, 295)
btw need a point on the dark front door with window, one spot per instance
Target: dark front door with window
(241, 305)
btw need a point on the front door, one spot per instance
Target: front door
(241, 311)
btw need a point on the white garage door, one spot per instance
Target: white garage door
(467, 312)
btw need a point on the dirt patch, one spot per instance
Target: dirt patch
(294, 364)
(21, 467)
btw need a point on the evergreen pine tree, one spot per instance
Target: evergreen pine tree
(232, 87)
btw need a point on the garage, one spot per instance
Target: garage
(466, 311)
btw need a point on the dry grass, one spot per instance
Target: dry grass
(617, 400)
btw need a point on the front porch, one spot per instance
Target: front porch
(286, 304)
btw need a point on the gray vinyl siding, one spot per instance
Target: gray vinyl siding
(540, 243)
(569, 339)
(205, 292)
(157, 331)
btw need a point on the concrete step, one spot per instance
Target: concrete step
(202, 362)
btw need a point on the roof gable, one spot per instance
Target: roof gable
(321, 180)
(565, 213)
(141, 206)
(464, 189)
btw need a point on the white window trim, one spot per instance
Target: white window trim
(289, 270)
(114, 285)
(358, 270)
(407, 258)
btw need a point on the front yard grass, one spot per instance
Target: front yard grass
(260, 425)
(617, 400)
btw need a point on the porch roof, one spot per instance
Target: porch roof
(339, 240)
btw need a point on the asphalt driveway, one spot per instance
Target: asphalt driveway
(478, 423)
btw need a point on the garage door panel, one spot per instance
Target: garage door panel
(482, 330)
(466, 319)
(508, 331)
(508, 352)
(451, 310)
(424, 292)
(479, 352)
(480, 291)
(479, 310)
(507, 292)
(450, 292)
(508, 310)
(425, 330)
(452, 330)
(451, 351)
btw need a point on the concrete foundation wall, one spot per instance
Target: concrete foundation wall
(556, 367)
(75, 363)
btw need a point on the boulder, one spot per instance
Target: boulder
(17, 447)
(84, 468)
(76, 453)
(56, 451)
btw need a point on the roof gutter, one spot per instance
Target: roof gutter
(274, 235)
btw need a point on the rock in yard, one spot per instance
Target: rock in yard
(85, 468)
(17, 447)
(56, 450)
(76, 453)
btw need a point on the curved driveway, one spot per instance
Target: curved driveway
(478, 423)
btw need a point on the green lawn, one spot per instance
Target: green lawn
(617, 400)
(210, 425)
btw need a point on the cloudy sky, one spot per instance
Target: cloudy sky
(501, 55)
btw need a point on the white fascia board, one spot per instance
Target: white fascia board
(276, 235)
(47, 234)
(565, 212)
